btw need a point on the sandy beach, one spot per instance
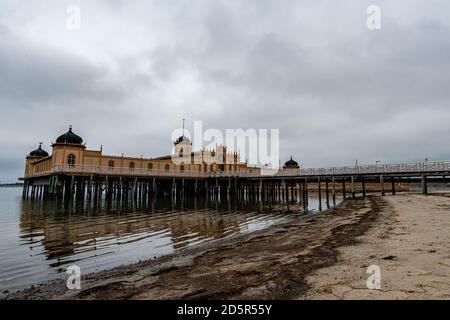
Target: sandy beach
(322, 257)
(410, 243)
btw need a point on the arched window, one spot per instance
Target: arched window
(182, 167)
(213, 153)
(132, 165)
(71, 160)
(167, 167)
(181, 152)
(111, 164)
(150, 166)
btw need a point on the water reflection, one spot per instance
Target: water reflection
(100, 235)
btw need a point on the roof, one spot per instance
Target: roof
(39, 152)
(291, 163)
(69, 137)
(182, 138)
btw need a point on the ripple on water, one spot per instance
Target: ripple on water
(38, 241)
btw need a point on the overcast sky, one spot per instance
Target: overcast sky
(336, 90)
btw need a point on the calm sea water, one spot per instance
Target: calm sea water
(39, 240)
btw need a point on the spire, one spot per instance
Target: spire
(183, 126)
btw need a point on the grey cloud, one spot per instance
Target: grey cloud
(337, 91)
(33, 73)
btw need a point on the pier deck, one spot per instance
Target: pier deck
(94, 182)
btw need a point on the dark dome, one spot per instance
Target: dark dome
(182, 139)
(291, 163)
(39, 152)
(69, 137)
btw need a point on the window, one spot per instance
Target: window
(213, 154)
(182, 167)
(167, 167)
(181, 152)
(111, 164)
(132, 165)
(71, 160)
(150, 166)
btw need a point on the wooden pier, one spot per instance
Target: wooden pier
(94, 183)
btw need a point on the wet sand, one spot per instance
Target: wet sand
(322, 257)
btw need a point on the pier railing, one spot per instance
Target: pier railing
(403, 168)
(126, 171)
(407, 168)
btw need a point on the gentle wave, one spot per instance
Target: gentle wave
(38, 241)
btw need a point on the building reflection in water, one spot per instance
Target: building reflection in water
(42, 238)
(107, 234)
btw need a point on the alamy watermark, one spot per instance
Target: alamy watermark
(73, 19)
(374, 19)
(74, 279)
(374, 280)
(255, 147)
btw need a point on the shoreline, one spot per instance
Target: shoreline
(292, 260)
